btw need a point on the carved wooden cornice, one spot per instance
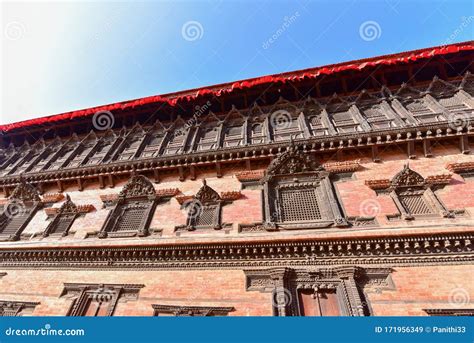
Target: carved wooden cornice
(342, 167)
(250, 175)
(450, 312)
(396, 250)
(52, 197)
(192, 311)
(311, 145)
(465, 169)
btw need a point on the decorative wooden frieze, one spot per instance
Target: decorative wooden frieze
(191, 311)
(16, 308)
(286, 284)
(450, 312)
(98, 299)
(465, 169)
(231, 196)
(378, 184)
(250, 175)
(398, 250)
(342, 167)
(49, 198)
(439, 180)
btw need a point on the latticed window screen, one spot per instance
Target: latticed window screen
(11, 224)
(415, 204)
(8, 311)
(131, 217)
(299, 204)
(63, 223)
(207, 216)
(452, 104)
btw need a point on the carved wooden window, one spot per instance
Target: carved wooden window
(63, 154)
(22, 205)
(257, 133)
(299, 194)
(98, 300)
(176, 141)
(315, 291)
(208, 138)
(414, 197)
(233, 136)
(316, 126)
(133, 210)
(344, 121)
(63, 219)
(153, 144)
(190, 311)
(204, 210)
(100, 150)
(128, 149)
(318, 303)
(81, 153)
(16, 308)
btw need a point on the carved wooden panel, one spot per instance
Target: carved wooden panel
(16, 308)
(190, 311)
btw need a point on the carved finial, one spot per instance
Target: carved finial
(204, 182)
(68, 198)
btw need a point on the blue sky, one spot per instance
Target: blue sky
(63, 56)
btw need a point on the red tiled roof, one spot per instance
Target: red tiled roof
(173, 99)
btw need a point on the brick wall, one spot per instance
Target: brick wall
(415, 289)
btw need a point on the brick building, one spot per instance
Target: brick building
(340, 190)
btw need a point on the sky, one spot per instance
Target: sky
(64, 55)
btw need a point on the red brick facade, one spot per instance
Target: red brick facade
(388, 264)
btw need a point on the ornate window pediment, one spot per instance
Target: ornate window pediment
(298, 193)
(133, 209)
(19, 210)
